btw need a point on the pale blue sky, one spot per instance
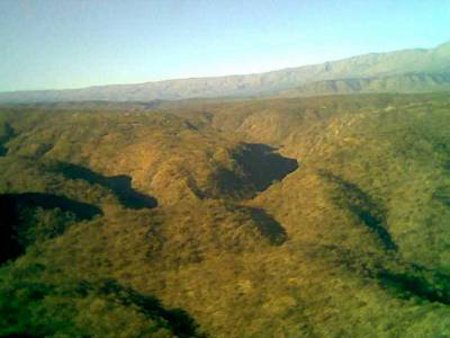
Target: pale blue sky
(48, 44)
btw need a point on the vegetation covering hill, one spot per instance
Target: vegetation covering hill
(405, 71)
(313, 217)
(409, 82)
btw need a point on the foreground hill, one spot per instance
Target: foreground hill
(406, 71)
(312, 217)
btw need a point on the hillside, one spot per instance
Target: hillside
(403, 83)
(406, 71)
(288, 217)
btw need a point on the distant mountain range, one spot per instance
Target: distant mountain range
(405, 71)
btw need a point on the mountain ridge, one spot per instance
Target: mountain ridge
(430, 62)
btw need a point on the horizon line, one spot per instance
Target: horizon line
(208, 77)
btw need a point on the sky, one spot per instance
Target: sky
(55, 44)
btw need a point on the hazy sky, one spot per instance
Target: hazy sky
(73, 43)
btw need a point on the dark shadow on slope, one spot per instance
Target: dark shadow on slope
(179, 321)
(262, 165)
(68, 291)
(350, 196)
(9, 221)
(258, 166)
(3, 151)
(227, 183)
(10, 217)
(419, 282)
(442, 194)
(268, 226)
(119, 185)
(403, 279)
(49, 201)
(6, 134)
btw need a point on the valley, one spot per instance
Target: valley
(323, 216)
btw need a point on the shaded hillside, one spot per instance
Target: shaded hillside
(121, 309)
(6, 133)
(119, 185)
(255, 167)
(414, 70)
(24, 219)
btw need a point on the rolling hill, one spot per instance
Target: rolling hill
(275, 217)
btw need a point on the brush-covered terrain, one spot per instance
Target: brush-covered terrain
(290, 217)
